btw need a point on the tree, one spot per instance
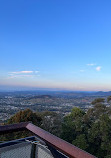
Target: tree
(91, 131)
(98, 100)
(51, 122)
(109, 99)
(73, 125)
(22, 116)
(99, 137)
(98, 110)
(25, 116)
(80, 141)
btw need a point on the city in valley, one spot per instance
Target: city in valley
(59, 102)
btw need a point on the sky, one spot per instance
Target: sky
(55, 44)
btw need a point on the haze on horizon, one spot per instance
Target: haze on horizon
(58, 44)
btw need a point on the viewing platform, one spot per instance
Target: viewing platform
(42, 145)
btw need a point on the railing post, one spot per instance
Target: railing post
(33, 151)
(55, 153)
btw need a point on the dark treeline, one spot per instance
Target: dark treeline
(90, 131)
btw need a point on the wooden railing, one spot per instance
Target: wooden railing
(51, 140)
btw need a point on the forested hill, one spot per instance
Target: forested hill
(41, 97)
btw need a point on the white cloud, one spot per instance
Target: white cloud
(92, 64)
(22, 72)
(98, 68)
(20, 76)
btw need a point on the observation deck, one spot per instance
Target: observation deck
(42, 145)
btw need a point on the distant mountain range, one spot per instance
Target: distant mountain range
(44, 94)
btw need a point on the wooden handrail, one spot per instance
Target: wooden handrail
(13, 127)
(59, 144)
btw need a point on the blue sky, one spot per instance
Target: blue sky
(61, 44)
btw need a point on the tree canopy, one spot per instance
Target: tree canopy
(25, 116)
(90, 131)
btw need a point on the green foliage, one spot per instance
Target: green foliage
(98, 110)
(109, 99)
(25, 116)
(73, 125)
(51, 122)
(90, 131)
(76, 113)
(80, 141)
(15, 135)
(98, 100)
(100, 136)
(68, 130)
(21, 116)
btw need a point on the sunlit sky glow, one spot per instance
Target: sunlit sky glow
(61, 44)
